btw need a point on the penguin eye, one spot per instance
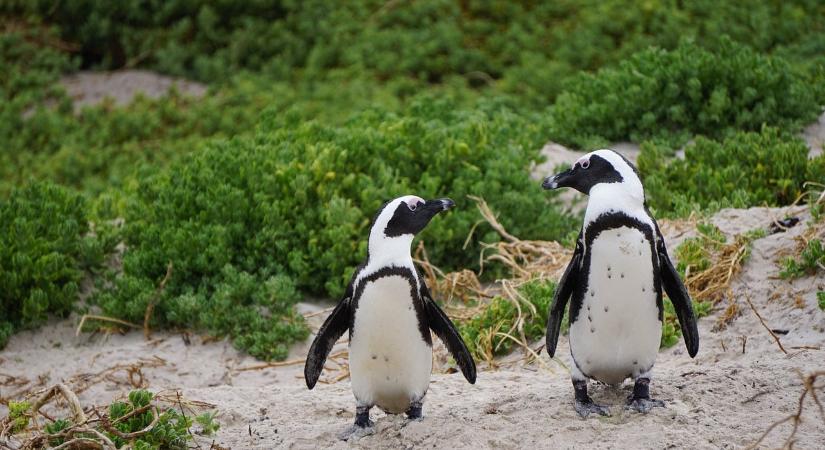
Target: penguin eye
(585, 164)
(412, 205)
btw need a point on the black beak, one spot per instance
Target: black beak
(438, 205)
(557, 181)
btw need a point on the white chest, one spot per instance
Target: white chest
(617, 330)
(390, 363)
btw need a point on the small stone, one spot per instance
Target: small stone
(374, 356)
(386, 358)
(605, 309)
(592, 330)
(635, 362)
(622, 275)
(592, 293)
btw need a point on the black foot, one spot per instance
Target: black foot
(586, 408)
(362, 426)
(362, 417)
(584, 404)
(414, 412)
(643, 405)
(640, 401)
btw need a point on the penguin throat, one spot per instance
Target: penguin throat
(385, 250)
(624, 197)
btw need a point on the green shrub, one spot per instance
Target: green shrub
(820, 297)
(746, 169)
(295, 201)
(810, 261)
(672, 95)
(500, 315)
(170, 432)
(19, 415)
(45, 246)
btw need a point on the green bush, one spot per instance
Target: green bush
(820, 297)
(672, 95)
(810, 261)
(294, 202)
(747, 169)
(500, 315)
(45, 246)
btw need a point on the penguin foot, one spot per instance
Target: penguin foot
(585, 408)
(643, 405)
(640, 400)
(584, 404)
(414, 411)
(356, 432)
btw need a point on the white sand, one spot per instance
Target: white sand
(722, 399)
(90, 88)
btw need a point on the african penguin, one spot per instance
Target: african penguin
(389, 313)
(615, 280)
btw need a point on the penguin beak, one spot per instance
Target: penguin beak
(439, 205)
(558, 180)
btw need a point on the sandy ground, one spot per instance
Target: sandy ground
(725, 398)
(90, 88)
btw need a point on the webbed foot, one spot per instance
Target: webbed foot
(415, 411)
(643, 405)
(585, 408)
(584, 404)
(363, 426)
(640, 400)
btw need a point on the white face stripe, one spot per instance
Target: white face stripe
(627, 196)
(389, 251)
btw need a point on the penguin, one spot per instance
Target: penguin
(614, 283)
(389, 313)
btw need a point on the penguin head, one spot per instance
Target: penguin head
(399, 220)
(605, 168)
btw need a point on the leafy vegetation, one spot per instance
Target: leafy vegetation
(820, 297)
(810, 261)
(673, 95)
(768, 167)
(242, 219)
(139, 422)
(486, 333)
(317, 112)
(45, 247)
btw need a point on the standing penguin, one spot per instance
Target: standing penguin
(615, 280)
(389, 313)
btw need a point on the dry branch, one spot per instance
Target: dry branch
(761, 320)
(809, 388)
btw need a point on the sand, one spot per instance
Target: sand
(725, 398)
(121, 86)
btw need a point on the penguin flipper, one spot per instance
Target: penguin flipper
(564, 289)
(336, 324)
(443, 327)
(678, 295)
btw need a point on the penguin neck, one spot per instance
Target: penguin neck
(390, 251)
(626, 197)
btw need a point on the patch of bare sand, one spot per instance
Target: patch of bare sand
(725, 398)
(91, 88)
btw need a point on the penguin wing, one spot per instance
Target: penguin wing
(564, 289)
(336, 324)
(443, 327)
(678, 295)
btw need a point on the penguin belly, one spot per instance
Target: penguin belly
(617, 331)
(390, 363)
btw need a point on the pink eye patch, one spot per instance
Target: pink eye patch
(584, 162)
